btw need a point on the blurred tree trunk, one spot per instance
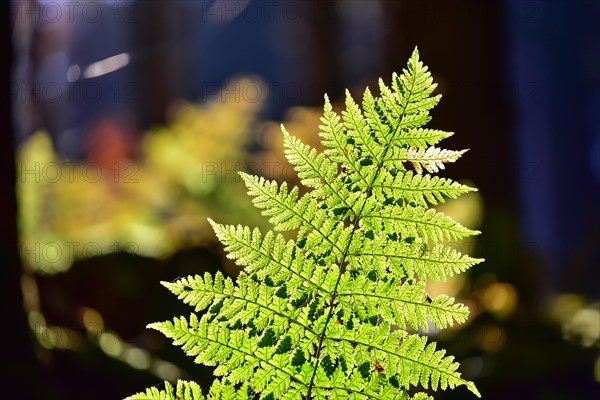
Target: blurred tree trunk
(20, 370)
(155, 34)
(325, 62)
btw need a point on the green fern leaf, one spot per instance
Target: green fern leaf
(331, 314)
(402, 305)
(183, 391)
(420, 189)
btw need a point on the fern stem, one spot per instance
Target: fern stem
(347, 249)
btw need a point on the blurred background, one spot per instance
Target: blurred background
(125, 123)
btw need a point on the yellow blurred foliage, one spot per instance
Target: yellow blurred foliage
(153, 205)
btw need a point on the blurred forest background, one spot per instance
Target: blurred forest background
(129, 120)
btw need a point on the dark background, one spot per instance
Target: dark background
(521, 85)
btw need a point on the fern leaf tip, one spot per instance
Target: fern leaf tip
(168, 284)
(415, 53)
(157, 326)
(212, 223)
(473, 389)
(283, 130)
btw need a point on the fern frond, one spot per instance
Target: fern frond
(402, 305)
(421, 137)
(371, 360)
(418, 188)
(285, 210)
(225, 390)
(265, 256)
(328, 315)
(413, 222)
(254, 360)
(408, 104)
(431, 159)
(183, 391)
(410, 259)
(314, 169)
(317, 171)
(336, 139)
(244, 301)
(374, 116)
(358, 130)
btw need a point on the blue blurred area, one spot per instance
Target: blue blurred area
(188, 50)
(274, 40)
(554, 59)
(52, 90)
(231, 38)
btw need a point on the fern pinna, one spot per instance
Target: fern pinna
(334, 313)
